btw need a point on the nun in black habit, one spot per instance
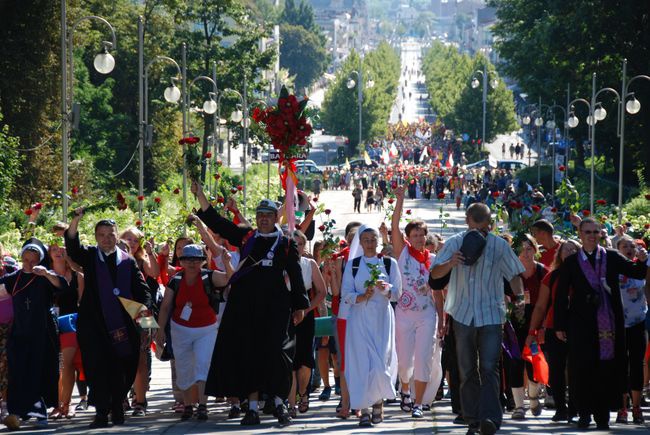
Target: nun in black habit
(254, 348)
(33, 344)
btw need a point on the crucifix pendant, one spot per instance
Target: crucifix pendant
(27, 303)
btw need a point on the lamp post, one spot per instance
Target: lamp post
(103, 63)
(493, 84)
(172, 94)
(351, 83)
(238, 116)
(209, 107)
(632, 107)
(264, 104)
(596, 113)
(551, 124)
(538, 120)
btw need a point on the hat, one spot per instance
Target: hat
(192, 251)
(266, 205)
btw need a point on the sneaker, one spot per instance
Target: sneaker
(519, 414)
(251, 418)
(82, 405)
(325, 394)
(235, 412)
(282, 414)
(637, 416)
(417, 412)
(621, 417)
(459, 419)
(537, 409)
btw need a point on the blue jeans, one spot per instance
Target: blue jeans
(478, 350)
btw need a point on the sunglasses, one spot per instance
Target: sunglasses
(590, 232)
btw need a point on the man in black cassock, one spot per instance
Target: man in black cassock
(588, 314)
(253, 352)
(108, 338)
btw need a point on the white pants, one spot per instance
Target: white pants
(415, 336)
(193, 353)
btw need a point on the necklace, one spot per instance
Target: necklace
(14, 292)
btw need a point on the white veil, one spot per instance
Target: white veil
(356, 250)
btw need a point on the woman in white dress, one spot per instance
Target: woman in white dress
(369, 284)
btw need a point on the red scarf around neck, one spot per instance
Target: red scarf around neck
(422, 257)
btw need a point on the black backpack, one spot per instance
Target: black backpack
(215, 294)
(357, 261)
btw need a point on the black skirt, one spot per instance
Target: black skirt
(305, 343)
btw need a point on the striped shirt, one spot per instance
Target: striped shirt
(475, 294)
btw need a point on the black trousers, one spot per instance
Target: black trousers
(450, 362)
(635, 342)
(556, 353)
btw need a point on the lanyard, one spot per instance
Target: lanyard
(14, 292)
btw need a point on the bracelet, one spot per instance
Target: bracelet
(532, 333)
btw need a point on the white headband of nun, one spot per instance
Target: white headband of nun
(356, 250)
(35, 248)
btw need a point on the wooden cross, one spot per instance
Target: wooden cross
(119, 335)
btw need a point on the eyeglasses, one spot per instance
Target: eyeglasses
(590, 232)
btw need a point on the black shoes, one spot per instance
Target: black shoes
(325, 394)
(488, 427)
(269, 407)
(235, 412)
(561, 415)
(250, 418)
(100, 421)
(282, 415)
(188, 412)
(202, 413)
(459, 419)
(117, 416)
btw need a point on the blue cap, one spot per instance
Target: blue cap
(192, 251)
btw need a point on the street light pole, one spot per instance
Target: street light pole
(484, 73)
(103, 63)
(632, 107)
(246, 122)
(538, 122)
(184, 106)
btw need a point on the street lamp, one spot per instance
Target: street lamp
(551, 125)
(209, 107)
(237, 116)
(103, 63)
(632, 107)
(493, 84)
(171, 94)
(351, 83)
(596, 113)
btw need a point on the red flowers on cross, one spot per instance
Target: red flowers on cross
(138, 223)
(157, 200)
(140, 197)
(29, 212)
(601, 202)
(240, 187)
(37, 205)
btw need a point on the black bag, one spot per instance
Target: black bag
(474, 242)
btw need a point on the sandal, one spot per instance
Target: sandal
(66, 411)
(303, 406)
(365, 421)
(403, 404)
(56, 414)
(293, 411)
(202, 412)
(343, 414)
(187, 413)
(377, 413)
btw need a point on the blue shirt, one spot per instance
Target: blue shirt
(475, 293)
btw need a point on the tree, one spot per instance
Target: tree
(546, 46)
(10, 162)
(302, 53)
(302, 15)
(340, 107)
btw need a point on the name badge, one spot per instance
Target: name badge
(186, 312)
(527, 297)
(267, 263)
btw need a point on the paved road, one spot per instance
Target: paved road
(320, 419)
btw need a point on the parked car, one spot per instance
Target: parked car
(361, 163)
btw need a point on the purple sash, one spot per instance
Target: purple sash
(111, 305)
(596, 276)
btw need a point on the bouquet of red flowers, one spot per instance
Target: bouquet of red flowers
(286, 124)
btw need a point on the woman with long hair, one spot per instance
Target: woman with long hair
(303, 362)
(542, 330)
(142, 251)
(67, 302)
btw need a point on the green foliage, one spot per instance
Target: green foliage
(449, 75)
(546, 46)
(340, 107)
(303, 54)
(9, 163)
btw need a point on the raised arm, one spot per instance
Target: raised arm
(222, 226)
(73, 247)
(396, 235)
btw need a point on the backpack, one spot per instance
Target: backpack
(357, 261)
(215, 294)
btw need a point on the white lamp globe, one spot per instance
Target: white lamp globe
(172, 94)
(350, 84)
(573, 121)
(633, 106)
(494, 83)
(600, 113)
(210, 107)
(475, 83)
(104, 62)
(236, 116)
(539, 122)
(526, 120)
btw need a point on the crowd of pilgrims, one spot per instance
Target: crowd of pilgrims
(241, 315)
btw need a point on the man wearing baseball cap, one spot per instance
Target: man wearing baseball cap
(253, 352)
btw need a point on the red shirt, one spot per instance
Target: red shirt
(548, 256)
(532, 283)
(202, 312)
